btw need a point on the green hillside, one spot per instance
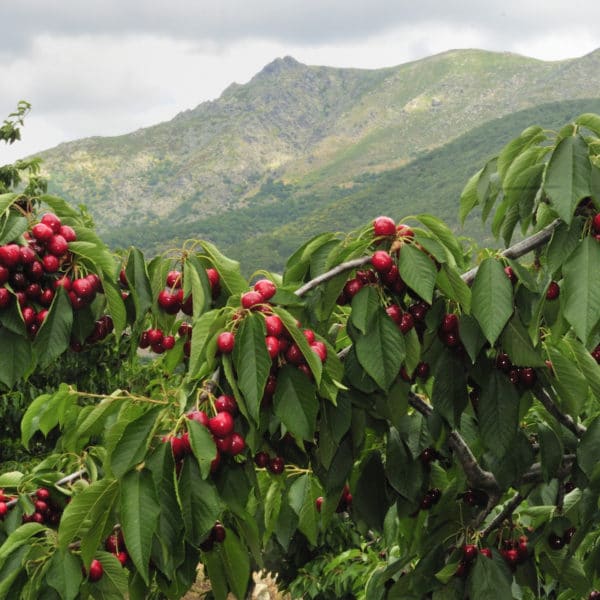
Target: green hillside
(299, 148)
(281, 216)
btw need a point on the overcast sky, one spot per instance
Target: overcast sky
(106, 67)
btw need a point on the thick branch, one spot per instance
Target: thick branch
(477, 477)
(544, 397)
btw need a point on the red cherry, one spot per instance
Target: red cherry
(352, 287)
(27, 255)
(404, 231)
(555, 541)
(320, 349)
(394, 312)
(218, 533)
(527, 376)
(221, 424)
(406, 322)
(319, 503)
(261, 459)
(199, 416)
(223, 444)
(238, 444)
(178, 447)
(450, 323)
(68, 233)
(265, 288)
(174, 279)
(272, 346)
(274, 325)
(42, 494)
(294, 355)
(52, 221)
(510, 274)
(225, 342)
(276, 465)
(57, 245)
(596, 223)
(503, 362)
(469, 552)
(83, 288)
(168, 342)
(382, 262)
(309, 335)
(251, 299)
(486, 552)
(226, 403)
(42, 232)
(50, 263)
(553, 291)
(155, 336)
(213, 278)
(111, 544)
(122, 557)
(384, 226)
(3, 509)
(95, 571)
(5, 297)
(511, 557)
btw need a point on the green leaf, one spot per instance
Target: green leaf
(200, 503)
(568, 381)
(228, 269)
(298, 263)
(580, 291)
(252, 361)
(589, 120)
(18, 538)
(295, 402)
(564, 240)
(16, 363)
(133, 443)
(44, 413)
(236, 562)
(471, 336)
(588, 366)
(589, 450)
(449, 395)
(192, 284)
(6, 200)
(489, 579)
(454, 287)
(492, 298)
(86, 517)
(568, 173)
(14, 226)
(498, 411)
(138, 283)
(469, 198)
(272, 501)
(139, 509)
(551, 450)
(381, 350)
(364, 305)
(418, 271)
(64, 574)
(444, 234)
(115, 306)
(368, 505)
(203, 446)
(54, 335)
(61, 207)
(113, 584)
(302, 495)
(517, 344)
(404, 474)
(215, 569)
(531, 135)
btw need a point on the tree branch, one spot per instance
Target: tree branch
(534, 474)
(341, 268)
(544, 397)
(506, 511)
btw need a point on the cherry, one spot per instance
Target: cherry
(511, 557)
(384, 226)
(462, 569)
(68, 233)
(510, 274)
(523, 551)
(555, 541)
(503, 362)
(178, 447)
(10, 255)
(320, 349)
(223, 444)
(392, 279)
(169, 302)
(42, 232)
(319, 503)
(513, 376)
(428, 455)
(568, 535)
(3, 509)
(168, 342)
(238, 444)
(596, 223)
(553, 291)
(57, 245)
(451, 339)
(469, 552)
(527, 376)
(274, 325)
(276, 465)
(50, 263)
(251, 299)
(199, 416)
(27, 255)
(95, 571)
(225, 403)
(111, 543)
(394, 312)
(265, 288)
(406, 322)
(486, 552)
(174, 279)
(225, 342)
(272, 346)
(5, 297)
(52, 221)
(122, 557)
(404, 231)
(294, 355)
(221, 424)
(213, 278)
(83, 288)
(261, 459)
(594, 595)
(450, 323)
(352, 287)
(381, 261)
(155, 336)
(422, 370)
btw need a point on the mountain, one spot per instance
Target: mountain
(300, 146)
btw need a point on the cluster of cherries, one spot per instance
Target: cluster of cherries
(557, 542)
(221, 426)
(384, 270)
(524, 376)
(273, 464)
(216, 535)
(344, 503)
(103, 327)
(115, 544)
(280, 345)
(596, 354)
(45, 510)
(35, 269)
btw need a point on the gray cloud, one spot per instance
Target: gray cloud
(288, 21)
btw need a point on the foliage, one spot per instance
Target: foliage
(452, 413)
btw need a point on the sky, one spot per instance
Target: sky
(108, 67)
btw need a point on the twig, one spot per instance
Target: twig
(506, 511)
(341, 268)
(520, 248)
(544, 397)
(534, 474)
